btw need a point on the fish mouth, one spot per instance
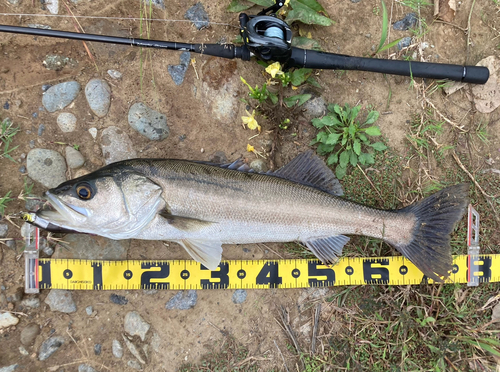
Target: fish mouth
(62, 213)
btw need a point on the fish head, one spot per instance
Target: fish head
(116, 205)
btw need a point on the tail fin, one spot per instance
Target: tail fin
(436, 215)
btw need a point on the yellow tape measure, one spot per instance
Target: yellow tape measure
(245, 274)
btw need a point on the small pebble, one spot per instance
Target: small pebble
(22, 169)
(85, 368)
(7, 320)
(66, 121)
(31, 302)
(60, 300)
(97, 349)
(60, 95)
(6, 105)
(135, 325)
(409, 21)
(34, 115)
(74, 158)
(47, 167)
(32, 144)
(117, 349)
(41, 129)
(10, 368)
(259, 165)
(93, 132)
(117, 299)
(404, 43)
(4, 229)
(148, 122)
(48, 250)
(115, 74)
(198, 16)
(134, 364)
(45, 87)
(183, 300)
(239, 296)
(23, 351)
(89, 310)
(98, 94)
(49, 347)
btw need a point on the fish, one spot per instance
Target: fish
(202, 206)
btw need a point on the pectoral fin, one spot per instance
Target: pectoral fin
(184, 223)
(328, 250)
(207, 252)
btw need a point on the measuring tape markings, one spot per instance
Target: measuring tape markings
(250, 274)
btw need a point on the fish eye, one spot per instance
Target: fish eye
(84, 191)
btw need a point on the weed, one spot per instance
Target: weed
(7, 133)
(344, 138)
(481, 131)
(415, 5)
(3, 202)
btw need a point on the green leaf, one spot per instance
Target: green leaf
(333, 138)
(313, 4)
(324, 149)
(352, 130)
(301, 98)
(488, 348)
(379, 146)
(322, 137)
(357, 147)
(344, 158)
(372, 117)
(373, 131)
(390, 45)
(325, 121)
(311, 80)
(299, 76)
(385, 27)
(340, 172)
(305, 43)
(264, 3)
(331, 107)
(273, 97)
(332, 159)
(238, 6)
(366, 159)
(305, 14)
(362, 137)
(353, 158)
(354, 113)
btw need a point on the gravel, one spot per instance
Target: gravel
(148, 122)
(60, 95)
(4, 229)
(57, 62)
(117, 349)
(49, 347)
(116, 145)
(115, 74)
(98, 94)
(10, 368)
(404, 42)
(41, 129)
(239, 296)
(47, 167)
(117, 299)
(198, 16)
(31, 302)
(315, 108)
(135, 325)
(89, 310)
(74, 158)
(183, 300)
(97, 349)
(66, 121)
(61, 300)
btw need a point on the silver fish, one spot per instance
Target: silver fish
(202, 206)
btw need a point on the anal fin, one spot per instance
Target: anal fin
(328, 250)
(207, 252)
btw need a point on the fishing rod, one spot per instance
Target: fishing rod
(270, 39)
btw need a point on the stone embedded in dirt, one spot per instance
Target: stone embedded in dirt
(4, 229)
(487, 96)
(409, 21)
(74, 158)
(315, 108)
(97, 349)
(10, 368)
(116, 145)
(93, 132)
(156, 3)
(404, 43)
(117, 299)
(31, 302)
(148, 122)
(239, 296)
(29, 333)
(53, 6)
(41, 129)
(47, 167)
(85, 368)
(61, 300)
(355, 1)
(14, 2)
(135, 325)
(135, 350)
(60, 95)
(219, 157)
(178, 72)
(134, 364)
(92, 247)
(66, 121)
(183, 300)
(98, 94)
(198, 16)
(259, 166)
(49, 347)
(115, 74)
(117, 349)
(40, 26)
(8, 320)
(156, 342)
(89, 310)
(56, 62)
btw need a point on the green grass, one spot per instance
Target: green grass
(4, 201)
(7, 133)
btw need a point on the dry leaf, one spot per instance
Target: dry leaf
(445, 9)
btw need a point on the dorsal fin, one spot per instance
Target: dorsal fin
(308, 169)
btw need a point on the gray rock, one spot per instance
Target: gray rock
(60, 95)
(45, 87)
(259, 165)
(22, 169)
(315, 108)
(183, 300)
(88, 247)
(29, 333)
(198, 16)
(409, 21)
(148, 122)
(53, 6)
(33, 203)
(98, 94)
(134, 350)
(48, 250)
(41, 129)
(31, 302)
(14, 2)
(47, 167)
(156, 3)
(135, 325)
(134, 364)
(32, 144)
(40, 26)
(178, 72)
(4, 229)
(355, 1)
(85, 368)
(97, 349)
(10, 368)
(239, 296)
(49, 347)
(56, 62)
(115, 74)
(74, 158)
(23, 350)
(117, 349)
(66, 121)
(7, 320)
(117, 299)
(60, 300)
(404, 43)
(116, 145)
(89, 310)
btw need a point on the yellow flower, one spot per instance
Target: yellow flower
(250, 121)
(274, 69)
(250, 148)
(286, 2)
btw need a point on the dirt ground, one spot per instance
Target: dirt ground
(197, 131)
